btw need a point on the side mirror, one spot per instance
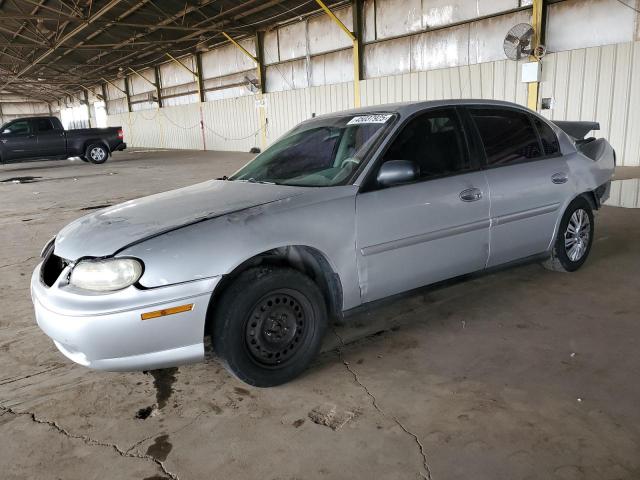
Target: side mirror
(394, 172)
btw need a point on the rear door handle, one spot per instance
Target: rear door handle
(471, 195)
(559, 178)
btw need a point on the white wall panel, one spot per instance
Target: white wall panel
(439, 49)
(231, 124)
(486, 36)
(369, 20)
(287, 76)
(325, 35)
(231, 92)
(475, 42)
(397, 17)
(228, 59)
(138, 85)
(112, 92)
(598, 84)
(336, 67)
(117, 106)
(494, 80)
(172, 74)
(576, 24)
(180, 127)
(387, 58)
(270, 47)
(292, 41)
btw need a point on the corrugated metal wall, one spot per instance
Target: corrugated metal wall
(494, 80)
(598, 83)
(601, 84)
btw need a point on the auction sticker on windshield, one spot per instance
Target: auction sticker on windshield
(369, 119)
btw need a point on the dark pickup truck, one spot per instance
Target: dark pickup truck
(45, 138)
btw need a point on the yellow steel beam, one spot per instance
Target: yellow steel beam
(143, 77)
(114, 86)
(356, 50)
(536, 22)
(195, 74)
(336, 19)
(182, 64)
(242, 49)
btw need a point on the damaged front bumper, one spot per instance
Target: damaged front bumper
(106, 331)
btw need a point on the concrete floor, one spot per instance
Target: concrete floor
(520, 374)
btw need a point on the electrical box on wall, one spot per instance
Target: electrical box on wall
(547, 103)
(531, 72)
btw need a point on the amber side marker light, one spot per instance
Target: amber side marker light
(167, 311)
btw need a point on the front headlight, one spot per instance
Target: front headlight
(105, 275)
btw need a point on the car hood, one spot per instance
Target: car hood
(107, 231)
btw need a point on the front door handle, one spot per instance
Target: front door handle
(471, 195)
(559, 178)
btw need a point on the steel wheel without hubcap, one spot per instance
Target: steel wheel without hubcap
(268, 324)
(576, 236)
(275, 328)
(97, 154)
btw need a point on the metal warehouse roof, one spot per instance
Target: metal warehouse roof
(51, 48)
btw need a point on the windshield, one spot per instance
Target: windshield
(321, 153)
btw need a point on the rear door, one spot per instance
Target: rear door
(18, 140)
(51, 140)
(435, 228)
(528, 179)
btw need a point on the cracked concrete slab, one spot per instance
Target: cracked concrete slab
(477, 379)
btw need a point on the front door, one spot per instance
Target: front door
(432, 229)
(18, 140)
(528, 179)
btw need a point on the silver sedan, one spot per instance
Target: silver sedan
(343, 210)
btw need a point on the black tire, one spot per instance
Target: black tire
(268, 325)
(562, 258)
(96, 153)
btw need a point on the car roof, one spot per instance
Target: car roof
(33, 118)
(407, 108)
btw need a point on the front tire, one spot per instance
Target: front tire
(268, 325)
(96, 153)
(575, 236)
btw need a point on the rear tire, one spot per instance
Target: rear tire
(96, 153)
(268, 325)
(575, 236)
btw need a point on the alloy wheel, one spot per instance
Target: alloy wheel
(576, 236)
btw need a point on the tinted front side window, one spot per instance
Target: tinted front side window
(17, 128)
(44, 124)
(548, 137)
(434, 142)
(508, 136)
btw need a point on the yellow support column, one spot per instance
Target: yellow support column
(536, 22)
(356, 51)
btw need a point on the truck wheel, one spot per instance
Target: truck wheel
(97, 153)
(268, 325)
(575, 236)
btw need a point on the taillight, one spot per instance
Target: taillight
(120, 134)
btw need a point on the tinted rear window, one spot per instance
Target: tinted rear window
(44, 124)
(508, 136)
